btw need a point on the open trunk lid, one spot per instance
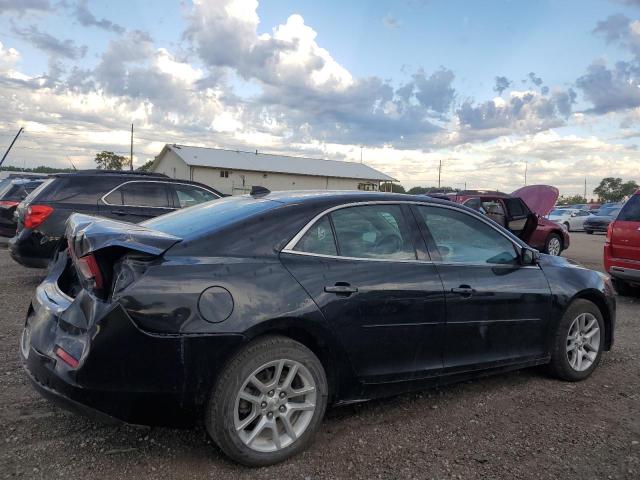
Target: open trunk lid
(539, 198)
(87, 234)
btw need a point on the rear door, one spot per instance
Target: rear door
(625, 238)
(520, 220)
(137, 200)
(360, 266)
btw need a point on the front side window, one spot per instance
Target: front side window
(189, 195)
(318, 239)
(145, 194)
(461, 238)
(373, 231)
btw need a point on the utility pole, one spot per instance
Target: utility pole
(360, 153)
(585, 189)
(526, 167)
(439, 172)
(9, 149)
(131, 157)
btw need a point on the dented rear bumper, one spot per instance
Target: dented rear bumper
(123, 373)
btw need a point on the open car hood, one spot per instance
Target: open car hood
(539, 198)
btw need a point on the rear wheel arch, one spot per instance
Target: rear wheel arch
(317, 339)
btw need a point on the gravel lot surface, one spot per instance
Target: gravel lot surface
(517, 425)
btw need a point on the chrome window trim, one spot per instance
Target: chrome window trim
(150, 181)
(289, 247)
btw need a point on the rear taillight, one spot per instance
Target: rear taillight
(607, 239)
(90, 272)
(8, 203)
(36, 214)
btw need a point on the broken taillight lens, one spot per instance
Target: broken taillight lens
(36, 214)
(89, 269)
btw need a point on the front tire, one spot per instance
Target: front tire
(578, 341)
(553, 244)
(589, 232)
(567, 226)
(622, 288)
(268, 402)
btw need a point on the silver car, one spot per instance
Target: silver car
(570, 218)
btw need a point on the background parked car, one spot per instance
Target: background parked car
(601, 221)
(571, 218)
(522, 213)
(12, 192)
(622, 247)
(128, 196)
(251, 314)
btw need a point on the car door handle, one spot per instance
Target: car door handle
(464, 290)
(341, 288)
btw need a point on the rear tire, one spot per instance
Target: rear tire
(581, 319)
(553, 244)
(256, 414)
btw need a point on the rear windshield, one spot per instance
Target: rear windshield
(38, 190)
(631, 210)
(11, 190)
(209, 217)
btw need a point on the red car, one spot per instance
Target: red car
(622, 247)
(522, 212)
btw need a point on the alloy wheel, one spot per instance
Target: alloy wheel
(583, 342)
(554, 246)
(275, 405)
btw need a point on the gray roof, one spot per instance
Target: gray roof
(264, 162)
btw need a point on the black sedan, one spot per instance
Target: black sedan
(254, 313)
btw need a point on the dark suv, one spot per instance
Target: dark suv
(128, 196)
(12, 191)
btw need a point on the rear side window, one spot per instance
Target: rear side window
(631, 210)
(189, 195)
(145, 194)
(318, 239)
(373, 231)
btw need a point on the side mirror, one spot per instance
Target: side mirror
(574, 214)
(528, 256)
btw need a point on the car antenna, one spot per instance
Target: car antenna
(258, 191)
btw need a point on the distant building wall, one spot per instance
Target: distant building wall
(238, 182)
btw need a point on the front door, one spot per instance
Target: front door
(497, 309)
(359, 264)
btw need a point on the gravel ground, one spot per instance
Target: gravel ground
(517, 425)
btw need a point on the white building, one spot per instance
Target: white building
(234, 172)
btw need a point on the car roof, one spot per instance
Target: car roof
(346, 196)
